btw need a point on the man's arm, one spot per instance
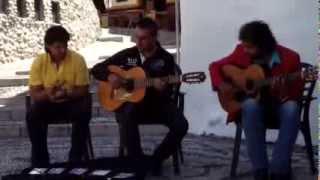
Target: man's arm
(41, 94)
(296, 87)
(38, 93)
(100, 70)
(36, 88)
(170, 69)
(216, 75)
(81, 86)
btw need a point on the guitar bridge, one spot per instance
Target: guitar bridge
(121, 94)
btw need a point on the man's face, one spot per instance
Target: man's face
(251, 50)
(145, 41)
(58, 50)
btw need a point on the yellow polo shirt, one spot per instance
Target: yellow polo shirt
(72, 71)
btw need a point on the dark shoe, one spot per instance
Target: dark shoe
(75, 158)
(153, 165)
(157, 169)
(261, 174)
(281, 176)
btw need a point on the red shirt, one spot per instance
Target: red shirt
(290, 63)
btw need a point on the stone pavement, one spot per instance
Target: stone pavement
(206, 157)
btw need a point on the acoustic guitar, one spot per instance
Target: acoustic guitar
(250, 80)
(134, 86)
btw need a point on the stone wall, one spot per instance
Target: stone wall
(22, 37)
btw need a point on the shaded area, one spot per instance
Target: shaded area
(207, 157)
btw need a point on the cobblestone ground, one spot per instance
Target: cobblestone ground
(207, 157)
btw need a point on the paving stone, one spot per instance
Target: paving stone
(9, 131)
(5, 115)
(18, 115)
(59, 130)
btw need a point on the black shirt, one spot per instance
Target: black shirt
(160, 64)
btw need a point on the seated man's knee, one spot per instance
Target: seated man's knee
(289, 111)
(251, 113)
(36, 112)
(290, 107)
(250, 105)
(127, 111)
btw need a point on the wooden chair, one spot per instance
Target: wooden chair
(89, 154)
(305, 103)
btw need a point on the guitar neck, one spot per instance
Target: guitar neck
(150, 82)
(189, 78)
(167, 79)
(286, 78)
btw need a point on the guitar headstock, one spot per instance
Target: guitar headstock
(193, 77)
(310, 74)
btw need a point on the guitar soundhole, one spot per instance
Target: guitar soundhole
(129, 85)
(250, 85)
(240, 96)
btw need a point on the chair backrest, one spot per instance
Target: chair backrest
(309, 85)
(307, 97)
(176, 87)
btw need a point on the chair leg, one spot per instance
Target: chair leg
(236, 150)
(121, 143)
(121, 151)
(307, 137)
(180, 152)
(176, 164)
(90, 146)
(88, 151)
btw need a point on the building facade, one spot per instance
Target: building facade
(23, 24)
(124, 13)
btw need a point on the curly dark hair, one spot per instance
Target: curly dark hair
(149, 24)
(56, 34)
(259, 34)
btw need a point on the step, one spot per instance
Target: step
(22, 80)
(14, 81)
(111, 39)
(98, 128)
(18, 114)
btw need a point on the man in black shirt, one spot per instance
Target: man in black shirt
(157, 105)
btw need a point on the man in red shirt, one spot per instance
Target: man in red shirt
(258, 46)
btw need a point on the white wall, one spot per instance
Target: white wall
(209, 32)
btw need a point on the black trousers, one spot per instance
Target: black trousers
(41, 114)
(129, 116)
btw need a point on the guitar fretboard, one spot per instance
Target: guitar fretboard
(150, 82)
(285, 78)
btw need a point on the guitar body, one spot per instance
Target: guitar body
(237, 79)
(111, 99)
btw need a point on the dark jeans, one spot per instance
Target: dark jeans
(131, 115)
(41, 114)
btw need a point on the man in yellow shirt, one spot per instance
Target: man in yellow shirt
(59, 83)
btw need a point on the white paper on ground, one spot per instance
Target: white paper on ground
(78, 171)
(100, 172)
(38, 171)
